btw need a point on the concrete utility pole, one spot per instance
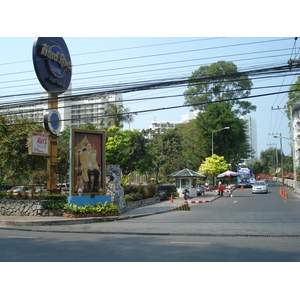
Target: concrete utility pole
(276, 156)
(294, 61)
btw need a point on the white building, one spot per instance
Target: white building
(192, 114)
(295, 128)
(163, 124)
(251, 132)
(74, 110)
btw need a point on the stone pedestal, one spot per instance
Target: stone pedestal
(114, 186)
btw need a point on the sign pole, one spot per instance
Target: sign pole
(52, 158)
(53, 67)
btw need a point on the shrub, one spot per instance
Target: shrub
(138, 192)
(131, 188)
(92, 209)
(149, 191)
(54, 204)
(133, 197)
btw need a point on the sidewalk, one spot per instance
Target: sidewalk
(161, 207)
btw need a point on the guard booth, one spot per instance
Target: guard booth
(186, 178)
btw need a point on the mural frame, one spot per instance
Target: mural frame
(88, 163)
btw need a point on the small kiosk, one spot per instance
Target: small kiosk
(186, 179)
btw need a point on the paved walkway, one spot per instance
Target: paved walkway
(162, 206)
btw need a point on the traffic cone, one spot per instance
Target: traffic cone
(171, 199)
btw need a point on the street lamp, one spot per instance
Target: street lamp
(212, 139)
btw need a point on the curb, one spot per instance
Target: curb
(67, 221)
(201, 201)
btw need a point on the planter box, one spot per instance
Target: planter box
(88, 215)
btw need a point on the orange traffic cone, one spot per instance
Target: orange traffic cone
(171, 199)
(280, 191)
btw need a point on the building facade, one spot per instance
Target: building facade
(251, 132)
(74, 110)
(295, 129)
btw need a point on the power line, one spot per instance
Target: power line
(164, 108)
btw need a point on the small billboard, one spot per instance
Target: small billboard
(38, 143)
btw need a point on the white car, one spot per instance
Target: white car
(259, 187)
(18, 190)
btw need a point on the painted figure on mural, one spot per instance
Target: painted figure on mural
(89, 167)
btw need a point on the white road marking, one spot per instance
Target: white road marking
(200, 243)
(21, 237)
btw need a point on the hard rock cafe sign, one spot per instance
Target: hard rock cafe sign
(52, 64)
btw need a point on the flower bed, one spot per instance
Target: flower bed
(73, 216)
(86, 211)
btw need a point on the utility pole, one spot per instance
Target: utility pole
(276, 156)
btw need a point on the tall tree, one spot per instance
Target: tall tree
(166, 148)
(219, 81)
(117, 114)
(231, 143)
(192, 147)
(128, 149)
(294, 95)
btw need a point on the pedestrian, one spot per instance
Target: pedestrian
(221, 190)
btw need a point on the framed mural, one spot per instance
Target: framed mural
(88, 162)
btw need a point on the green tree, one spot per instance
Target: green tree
(294, 96)
(192, 148)
(128, 149)
(117, 114)
(219, 81)
(231, 143)
(14, 157)
(166, 147)
(213, 165)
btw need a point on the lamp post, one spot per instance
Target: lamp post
(212, 139)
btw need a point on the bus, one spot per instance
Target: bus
(246, 177)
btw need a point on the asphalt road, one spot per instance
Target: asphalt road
(245, 228)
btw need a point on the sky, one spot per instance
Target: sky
(121, 44)
(105, 62)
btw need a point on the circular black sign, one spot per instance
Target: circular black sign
(52, 121)
(52, 64)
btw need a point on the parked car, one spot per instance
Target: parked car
(259, 187)
(18, 190)
(165, 190)
(37, 190)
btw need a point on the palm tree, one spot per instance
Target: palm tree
(117, 114)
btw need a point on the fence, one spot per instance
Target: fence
(289, 183)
